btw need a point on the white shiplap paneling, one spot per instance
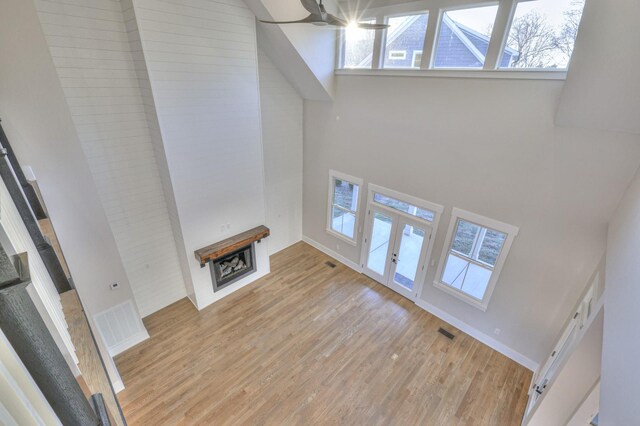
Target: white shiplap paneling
(281, 109)
(202, 63)
(142, 74)
(92, 51)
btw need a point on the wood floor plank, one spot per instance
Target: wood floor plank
(310, 344)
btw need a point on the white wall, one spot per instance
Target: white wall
(142, 74)
(202, 62)
(488, 146)
(588, 409)
(620, 392)
(93, 57)
(38, 124)
(281, 109)
(603, 85)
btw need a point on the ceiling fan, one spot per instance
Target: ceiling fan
(319, 16)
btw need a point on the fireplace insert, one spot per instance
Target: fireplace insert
(231, 267)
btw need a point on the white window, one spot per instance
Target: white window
(405, 34)
(464, 37)
(344, 201)
(358, 46)
(469, 39)
(542, 34)
(476, 248)
(424, 214)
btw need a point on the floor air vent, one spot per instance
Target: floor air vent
(330, 264)
(445, 333)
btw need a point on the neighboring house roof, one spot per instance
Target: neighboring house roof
(464, 46)
(478, 43)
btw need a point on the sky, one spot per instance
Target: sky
(480, 18)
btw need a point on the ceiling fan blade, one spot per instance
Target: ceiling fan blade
(312, 6)
(334, 20)
(372, 26)
(306, 20)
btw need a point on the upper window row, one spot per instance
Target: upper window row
(540, 35)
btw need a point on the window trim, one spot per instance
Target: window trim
(511, 232)
(333, 175)
(413, 59)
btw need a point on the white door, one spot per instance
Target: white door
(549, 369)
(395, 249)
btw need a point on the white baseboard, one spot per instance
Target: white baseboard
(462, 326)
(340, 258)
(118, 386)
(478, 335)
(130, 342)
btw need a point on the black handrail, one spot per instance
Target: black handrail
(27, 188)
(24, 328)
(8, 173)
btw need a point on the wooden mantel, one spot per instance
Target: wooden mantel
(223, 247)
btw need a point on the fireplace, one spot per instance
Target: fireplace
(233, 258)
(231, 267)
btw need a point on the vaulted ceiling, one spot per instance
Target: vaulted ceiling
(305, 54)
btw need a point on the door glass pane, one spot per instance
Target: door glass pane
(358, 46)
(542, 34)
(379, 247)
(409, 255)
(465, 237)
(405, 38)
(404, 207)
(464, 37)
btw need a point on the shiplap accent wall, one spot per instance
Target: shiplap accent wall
(201, 57)
(281, 108)
(93, 57)
(142, 73)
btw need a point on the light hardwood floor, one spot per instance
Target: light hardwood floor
(309, 344)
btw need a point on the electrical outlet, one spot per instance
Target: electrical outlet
(433, 262)
(114, 286)
(337, 246)
(497, 331)
(228, 226)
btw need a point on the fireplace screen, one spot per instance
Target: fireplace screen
(233, 266)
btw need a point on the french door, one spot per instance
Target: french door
(394, 250)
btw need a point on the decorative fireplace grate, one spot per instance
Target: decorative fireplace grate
(231, 267)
